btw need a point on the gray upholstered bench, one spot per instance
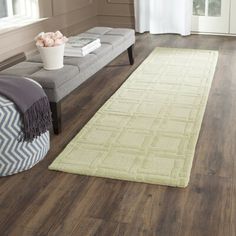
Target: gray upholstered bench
(60, 83)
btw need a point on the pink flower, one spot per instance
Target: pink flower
(65, 39)
(48, 42)
(39, 36)
(59, 42)
(50, 39)
(58, 35)
(49, 35)
(40, 43)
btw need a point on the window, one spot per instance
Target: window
(10, 8)
(16, 13)
(207, 8)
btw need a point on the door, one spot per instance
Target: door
(211, 16)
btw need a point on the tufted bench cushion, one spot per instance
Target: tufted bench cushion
(17, 156)
(58, 84)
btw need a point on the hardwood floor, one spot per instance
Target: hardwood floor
(40, 202)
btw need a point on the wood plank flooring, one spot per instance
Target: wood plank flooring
(40, 202)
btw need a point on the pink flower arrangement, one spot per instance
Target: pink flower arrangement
(50, 39)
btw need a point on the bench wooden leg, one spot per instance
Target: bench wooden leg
(130, 53)
(56, 116)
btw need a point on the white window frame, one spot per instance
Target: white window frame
(28, 8)
(27, 13)
(9, 8)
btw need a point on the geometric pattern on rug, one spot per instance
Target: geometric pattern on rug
(148, 130)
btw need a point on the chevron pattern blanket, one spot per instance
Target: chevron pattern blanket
(32, 103)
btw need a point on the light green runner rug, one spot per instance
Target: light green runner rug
(147, 131)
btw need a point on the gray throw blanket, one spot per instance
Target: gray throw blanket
(32, 103)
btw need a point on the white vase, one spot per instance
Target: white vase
(52, 57)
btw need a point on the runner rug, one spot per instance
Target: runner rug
(148, 130)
